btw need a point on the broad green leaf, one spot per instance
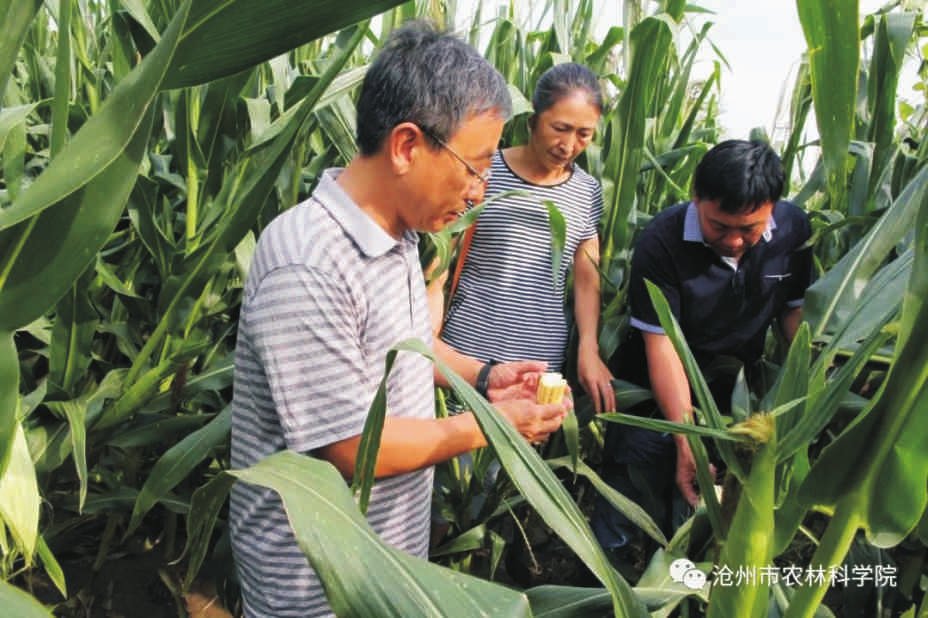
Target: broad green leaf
(469, 540)
(19, 496)
(345, 551)
(665, 426)
(568, 602)
(631, 509)
(9, 397)
(540, 487)
(16, 17)
(650, 43)
(883, 488)
(893, 32)
(749, 543)
(222, 39)
(11, 117)
(823, 404)
(657, 588)
(558, 239)
(157, 430)
(255, 180)
(706, 403)
(831, 33)
(105, 138)
(18, 602)
(72, 335)
(136, 8)
(76, 414)
(51, 566)
(177, 463)
(835, 295)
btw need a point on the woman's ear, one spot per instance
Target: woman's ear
(532, 121)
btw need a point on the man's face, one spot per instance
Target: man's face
(730, 235)
(445, 182)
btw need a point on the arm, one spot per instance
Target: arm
(409, 444)
(592, 372)
(435, 294)
(671, 390)
(790, 320)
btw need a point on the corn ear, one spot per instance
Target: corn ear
(551, 388)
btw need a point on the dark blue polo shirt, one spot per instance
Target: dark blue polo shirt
(724, 308)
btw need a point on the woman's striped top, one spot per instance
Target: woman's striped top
(508, 304)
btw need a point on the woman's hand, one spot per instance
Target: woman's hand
(596, 379)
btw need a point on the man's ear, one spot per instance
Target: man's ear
(404, 144)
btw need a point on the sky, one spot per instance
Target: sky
(763, 43)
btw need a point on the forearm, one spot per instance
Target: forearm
(409, 444)
(587, 294)
(669, 383)
(465, 366)
(790, 321)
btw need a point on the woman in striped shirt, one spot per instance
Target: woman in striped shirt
(508, 303)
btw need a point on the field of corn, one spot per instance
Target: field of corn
(145, 144)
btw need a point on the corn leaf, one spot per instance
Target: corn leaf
(257, 175)
(706, 403)
(749, 544)
(892, 35)
(883, 488)
(105, 138)
(222, 39)
(831, 32)
(19, 496)
(16, 17)
(651, 41)
(19, 603)
(833, 298)
(72, 335)
(9, 397)
(51, 566)
(177, 463)
(346, 552)
(539, 486)
(631, 509)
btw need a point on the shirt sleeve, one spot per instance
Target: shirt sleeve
(591, 225)
(651, 262)
(306, 330)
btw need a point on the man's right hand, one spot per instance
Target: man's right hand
(533, 420)
(686, 472)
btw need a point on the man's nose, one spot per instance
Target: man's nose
(475, 190)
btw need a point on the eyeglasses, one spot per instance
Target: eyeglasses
(484, 177)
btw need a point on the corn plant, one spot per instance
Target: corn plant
(124, 239)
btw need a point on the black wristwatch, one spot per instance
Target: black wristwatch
(483, 378)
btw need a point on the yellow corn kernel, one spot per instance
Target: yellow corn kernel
(551, 388)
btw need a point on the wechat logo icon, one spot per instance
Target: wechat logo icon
(684, 571)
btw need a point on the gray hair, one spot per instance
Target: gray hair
(562, 80)
(430, 78)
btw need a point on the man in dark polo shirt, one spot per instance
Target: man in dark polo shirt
(731, 262)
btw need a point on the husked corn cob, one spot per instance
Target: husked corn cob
(551, 388)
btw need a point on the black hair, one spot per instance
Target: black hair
(562, 80)
(741, 175)
(430, 78)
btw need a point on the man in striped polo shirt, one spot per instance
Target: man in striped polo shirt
(334, 283)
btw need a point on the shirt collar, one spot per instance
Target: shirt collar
(693, 233)
(370, 238)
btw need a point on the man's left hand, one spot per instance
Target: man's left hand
(515, 380)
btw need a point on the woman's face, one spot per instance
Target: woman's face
(564, 130)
